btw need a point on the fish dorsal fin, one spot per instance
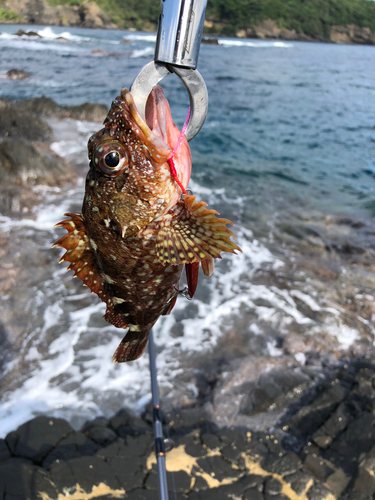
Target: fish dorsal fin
(190, 233)
(80, 254)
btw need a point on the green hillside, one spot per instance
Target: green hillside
(312, 17)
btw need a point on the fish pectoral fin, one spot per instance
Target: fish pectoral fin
(191, 233)
(208, 266)
(80, 255)
(132, 346)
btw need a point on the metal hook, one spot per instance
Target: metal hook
(154, 72)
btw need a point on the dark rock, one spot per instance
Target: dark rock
(4, 451)
(85, 471)
(336, 423)
(74, 445)
(17, 74)
(210, 41)
(212, 441)
(18, 123)
(101, 435)
(309, 418)
(318, 492)
(253, 494)
(337, 482)
(299, 481)
(27, 33)
(87, 111)
(188, 419)
(126, 424)
(22, 163)
(365, 482)
(285, 465)
(22, 480)
(217, 467)
(129, 471)
(43, 106)
(140, 445)
(181, 480)
(318, 467)
(272, 486)
(141, 494)
(272, 387)
(36, 438)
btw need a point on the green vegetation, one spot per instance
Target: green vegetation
(312, 17)
(8, 15)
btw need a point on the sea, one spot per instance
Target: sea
(287, 152)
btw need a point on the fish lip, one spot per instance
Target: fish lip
(160, 148)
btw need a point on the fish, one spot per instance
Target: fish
(139, 226)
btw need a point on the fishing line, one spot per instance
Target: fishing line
(170, 159)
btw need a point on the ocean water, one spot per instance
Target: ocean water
(290, 131)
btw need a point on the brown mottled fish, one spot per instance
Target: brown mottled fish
(137, 229)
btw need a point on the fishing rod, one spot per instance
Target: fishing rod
(158, 424)
(178, 42)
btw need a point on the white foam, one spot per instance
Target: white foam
(142, 37)
(48, 34)
(142, 52)
(258, 44)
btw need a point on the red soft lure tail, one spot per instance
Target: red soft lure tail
(192, 277)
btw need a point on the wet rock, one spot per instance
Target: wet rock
(25, 164)
(86, 111)
(39, 106)
(125, 424)
(4, 451)
(74, 445)
(27, 33)
(217, 467)
(17, 74)
(101, 435)
(84, 471)
(36, 438)
(210, 41)
(20, 480)
(181, 480)
(18, 123)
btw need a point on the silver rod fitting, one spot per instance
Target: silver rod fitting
(180, 32)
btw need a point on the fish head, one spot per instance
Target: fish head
(128, 162)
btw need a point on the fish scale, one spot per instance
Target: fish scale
(137, 230)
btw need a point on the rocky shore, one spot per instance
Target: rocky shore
(322, 448)
(89, 15)
(298, 424)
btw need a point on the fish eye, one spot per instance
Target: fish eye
(112, 159)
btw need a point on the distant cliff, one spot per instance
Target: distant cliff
(85, 14)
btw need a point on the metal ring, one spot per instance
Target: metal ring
(153, 73)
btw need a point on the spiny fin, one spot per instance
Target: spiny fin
(208, 266)
(132, 346)
(190, 233)
(80, 254)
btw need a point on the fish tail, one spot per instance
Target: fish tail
(132, 346)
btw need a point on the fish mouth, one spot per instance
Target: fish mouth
(161, 133)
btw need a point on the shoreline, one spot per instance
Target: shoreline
(322, 448)
(267, 31)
